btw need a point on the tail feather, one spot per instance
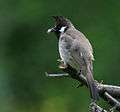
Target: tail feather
(91, 83)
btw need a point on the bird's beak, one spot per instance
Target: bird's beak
(51, 30)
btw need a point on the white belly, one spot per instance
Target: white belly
(65, 54)
(64, 51)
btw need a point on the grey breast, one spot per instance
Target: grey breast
(80, 49)
(64, 48)
(67, 49)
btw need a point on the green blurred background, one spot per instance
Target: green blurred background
(26, 52)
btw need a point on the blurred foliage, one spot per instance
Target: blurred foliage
(27, 52)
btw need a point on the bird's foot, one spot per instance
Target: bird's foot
(62, 65)
(60, 60)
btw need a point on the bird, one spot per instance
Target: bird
(75, 50)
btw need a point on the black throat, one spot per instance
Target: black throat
(58, 32)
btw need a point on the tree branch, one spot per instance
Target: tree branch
(107, 92)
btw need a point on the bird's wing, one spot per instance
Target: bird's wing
(81, 42)
(81, 54)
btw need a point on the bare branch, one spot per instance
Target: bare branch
(95, 108)
(57, 75)
(111, 89)
(112, 101)
(107, 92)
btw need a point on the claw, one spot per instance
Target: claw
(62, 66)
(59, 60)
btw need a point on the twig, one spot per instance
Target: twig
(112, 90)
(113, 101)
(107, 92)
(95, 108)
(57, 75)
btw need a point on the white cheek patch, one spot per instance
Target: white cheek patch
(62, 29)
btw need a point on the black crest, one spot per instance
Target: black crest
(61, 21)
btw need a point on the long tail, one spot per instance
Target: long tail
(91, 83)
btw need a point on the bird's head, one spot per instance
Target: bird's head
(61, 25)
